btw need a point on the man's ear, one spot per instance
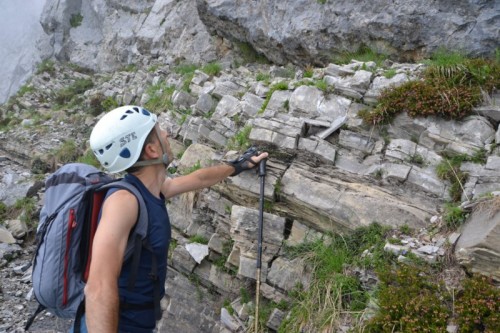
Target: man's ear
(151, 150)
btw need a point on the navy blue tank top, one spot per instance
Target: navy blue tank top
(159, 234)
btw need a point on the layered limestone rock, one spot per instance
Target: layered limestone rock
(478, 248)
(309, 32)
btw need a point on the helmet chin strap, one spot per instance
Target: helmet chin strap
(161, 160)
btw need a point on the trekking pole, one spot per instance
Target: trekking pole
(262, 175)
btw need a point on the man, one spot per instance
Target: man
(129, 138)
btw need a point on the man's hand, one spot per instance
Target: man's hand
(249, 160)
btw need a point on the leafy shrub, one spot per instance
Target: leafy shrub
(75, 20)
(109, 103)
(478, 307)
(99, 104)
(450, 87)
(409, 301)
(425, 98)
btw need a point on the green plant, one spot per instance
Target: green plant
(331, 291)
(198, 239)
(3, 212)
(390, 73)
(321, 85)
(405, 229)
(417, 159)
(109, 103)
(282, 85)
(70, 94)
(130, 68)
(309, 71)
(449, 169)
(75, 20)
(28, 206)
(450, 87)
(409, 301)
(379, 174)
(478, 307)
(171, 247)
(67, 152)
(249, 54)
(160, 97)
(227, 306)
(89, 158)
(363, 54)
(185, 68)
(153, 68)
(262, 77)
(46, 66)
(286, 105)
(212, 68)
(240, 141)
(245, 296)
(220, 262)
(24, 90)
(454, 216)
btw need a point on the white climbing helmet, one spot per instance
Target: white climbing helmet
(118, 137)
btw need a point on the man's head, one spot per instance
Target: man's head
(118, 138)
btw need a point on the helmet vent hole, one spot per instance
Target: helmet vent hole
(136, 109)
(100, 151)
(109, 146)
(145, 112)
(129, 112)
(125, 153)
(123, 117)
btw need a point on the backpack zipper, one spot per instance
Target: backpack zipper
(71, 225)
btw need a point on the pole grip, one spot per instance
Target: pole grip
(262, 168)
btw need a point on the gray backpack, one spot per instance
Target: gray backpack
(68, 221)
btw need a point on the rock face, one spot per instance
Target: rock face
(327, 172)
(310, 32)
(478, 248)
(24, 44)
(112, 34)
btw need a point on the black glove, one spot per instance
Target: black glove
(244, 162)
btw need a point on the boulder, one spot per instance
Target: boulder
(478, 248)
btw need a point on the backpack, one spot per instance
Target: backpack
(68, 221)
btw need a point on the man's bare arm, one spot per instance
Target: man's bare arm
(119, 214)
(201, 178)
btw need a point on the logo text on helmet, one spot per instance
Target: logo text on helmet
(127, 138)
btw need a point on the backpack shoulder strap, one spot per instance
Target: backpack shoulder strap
(141, 227)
